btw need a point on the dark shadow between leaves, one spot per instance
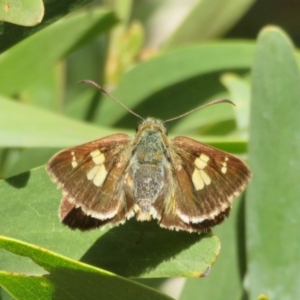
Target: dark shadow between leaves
(95, 103)
(241, 241)
(19, 181)
(169, 100)
(136, 248)
(176, 99)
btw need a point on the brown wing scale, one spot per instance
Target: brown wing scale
(92, 179)
(205, 181)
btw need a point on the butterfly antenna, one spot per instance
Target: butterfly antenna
(200, 107)
(100, 88)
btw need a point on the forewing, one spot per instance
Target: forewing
(92, 179)
(205, 181)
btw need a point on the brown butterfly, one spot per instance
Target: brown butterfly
(182, 183)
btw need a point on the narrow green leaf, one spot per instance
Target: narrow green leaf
(207, 20)
(11, 34)
(25, 13)
(273, 207)
(22, 64)
(240, 95)
(28, 208)
(47, 91)
(43, 128)
(67, 279)
(161, 85)
(47, 129)
(27, 159)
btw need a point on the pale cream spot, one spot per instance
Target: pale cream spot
(224, 165)
(95, 153)
(201, 161)
(98, 157)
(205, 177)
(197, 180)
(100, 176)
(200, 178)
(92, 173)
(99, 160)
(204, 157)
(97, 174)
(74, 162)
(200, 164)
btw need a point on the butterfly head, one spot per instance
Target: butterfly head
(152, 124)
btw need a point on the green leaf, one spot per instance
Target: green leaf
(25, 13)
(273, 196)
(240, 95)
(16, 130)
(208, 19)
(156, 85)
(47, 91)
(24, 63)
(228, 271)
(11, 34)
(27, 159)
(28, 208)
(43, 128)
(66, 278)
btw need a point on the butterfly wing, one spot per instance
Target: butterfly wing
(204, 183)
(92, 179)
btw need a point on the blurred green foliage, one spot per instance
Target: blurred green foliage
(161, 59)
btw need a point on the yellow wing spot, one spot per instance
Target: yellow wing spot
(201, 161)
(224, 165)
(204, 157)
(74, 162)
(97, 174)
(100, 176)
(92, 173)
(98, 157)
(200, 178)
(200, 164)
(197, 180)
(206, 179)
(95, 153)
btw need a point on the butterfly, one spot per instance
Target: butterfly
(181, 183)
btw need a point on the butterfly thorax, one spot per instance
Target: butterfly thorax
(146, 170)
